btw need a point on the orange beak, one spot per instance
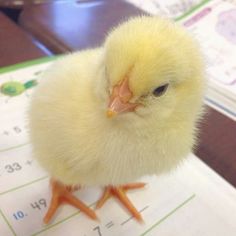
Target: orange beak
(119, 99)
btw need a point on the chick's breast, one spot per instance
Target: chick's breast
(63, 103)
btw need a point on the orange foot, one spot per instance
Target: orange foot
(119, 192)
(63, 194)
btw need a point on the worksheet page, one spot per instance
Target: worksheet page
(192, 200)
(214, 26)
(170, 8)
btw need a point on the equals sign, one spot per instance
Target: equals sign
(109, 224)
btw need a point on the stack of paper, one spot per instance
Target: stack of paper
(214, 25)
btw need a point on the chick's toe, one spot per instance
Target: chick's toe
(63, 194)
(120, 193)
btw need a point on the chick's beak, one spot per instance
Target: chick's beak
(120, 99)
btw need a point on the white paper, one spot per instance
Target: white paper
(214, 25)
(170, 8)
(193, 200)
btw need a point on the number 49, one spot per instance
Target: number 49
(39, 204)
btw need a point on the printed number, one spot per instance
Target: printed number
(13, 167)
(97, 228)
(5, 133)
(19, 215)
(39, 204)
(17, 129)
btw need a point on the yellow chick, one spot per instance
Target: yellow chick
(107, 116)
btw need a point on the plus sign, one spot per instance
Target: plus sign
(6, 133)
(29, 162)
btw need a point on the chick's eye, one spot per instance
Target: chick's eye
(159, 91)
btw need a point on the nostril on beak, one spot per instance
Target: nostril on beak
(111, 113)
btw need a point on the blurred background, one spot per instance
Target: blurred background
(56, 25)
(60, 26)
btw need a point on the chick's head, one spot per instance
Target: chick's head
(153, 67)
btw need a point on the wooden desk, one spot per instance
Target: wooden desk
(15, 44)
(16, 4)
(66, 26)
(217, 145)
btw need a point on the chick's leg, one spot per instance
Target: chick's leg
(63, 194)
(120, 193)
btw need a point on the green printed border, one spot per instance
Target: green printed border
(13, 147)
(192, 10)
(46, 227)
(59, 222)
(168, 215)
(27, 64)
(9, 225)
(143, 234)
(24, 185)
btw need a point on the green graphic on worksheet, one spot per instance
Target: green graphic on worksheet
(15, 88)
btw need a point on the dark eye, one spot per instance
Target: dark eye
(160, 90)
